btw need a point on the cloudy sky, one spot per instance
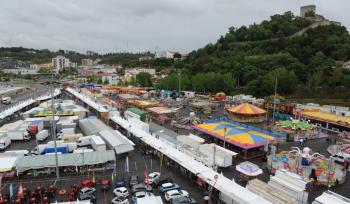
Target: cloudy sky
(139, 25)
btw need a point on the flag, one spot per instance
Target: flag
(146, 178)
(127, 164)
(20, 191)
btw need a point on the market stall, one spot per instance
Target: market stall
(248, 170)
(162, 114)
(247, 112)
(205, 106)
(329, 119)
(127, 97)
(143, 104)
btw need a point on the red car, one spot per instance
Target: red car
(87, 184)
(105, 185)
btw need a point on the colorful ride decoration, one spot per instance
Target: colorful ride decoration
(298, 129)
(221, 96)
(279, 103)
(311, 166)
(247, 112)
(238, 134)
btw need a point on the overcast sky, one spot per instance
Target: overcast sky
(139, 25)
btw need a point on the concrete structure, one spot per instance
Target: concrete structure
(129, 73)
(60, 62)
(305, 9)
(170, 55)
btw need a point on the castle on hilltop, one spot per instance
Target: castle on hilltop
(309, 12)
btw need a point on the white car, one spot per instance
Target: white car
(121, 191)
(120, 200)
(175, 194)
(152, 177)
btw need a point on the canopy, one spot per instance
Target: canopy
(162, 110)
(247, 109)
(7, 162)
(71, 159)
(238, 134)
(249, 169)
(327, 117)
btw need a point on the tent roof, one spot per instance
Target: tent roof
(70, 159)
(240, 135)
(327, 117)
(247, 109)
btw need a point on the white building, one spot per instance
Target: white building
(87, 62)
(60, 62)
(134, 71)
(346, 65)
(22, 71)
(165, 54)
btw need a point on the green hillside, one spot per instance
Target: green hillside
(254, 56)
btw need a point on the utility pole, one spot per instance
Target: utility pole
(179, 75)
(274, 103)
(53, 127)
(225, 129)
(214, 162)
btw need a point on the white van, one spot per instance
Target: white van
(66, 131)
(42, 135)
(6, 100)
(4, 142)
(84, 141)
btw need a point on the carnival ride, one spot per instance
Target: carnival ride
(311, 166)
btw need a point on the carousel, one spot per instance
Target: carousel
(247, 113)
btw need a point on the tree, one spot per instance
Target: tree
(99, 81)
(144, 79)
(106, 81)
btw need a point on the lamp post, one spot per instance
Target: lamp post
(53, 128)
(274, 103)
(179, 77)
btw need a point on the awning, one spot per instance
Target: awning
(70, 159)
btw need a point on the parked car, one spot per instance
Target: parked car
(120, 200)
(161, 181)
(105, 185)
(87, 184)
(140, 187)
(87, 190)
(121, 191)
(152, 177)
(120, 183)
(87, 194)
(137, 195)
(169, 195)
(168, 187)
(133, 180)
(184, 200)
(91, 198)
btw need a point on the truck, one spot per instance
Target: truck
(42, 135)
(84, 141)
(48, 148)
(66, 131)
(4, 142)
(35, 127)
(98, 144)
(71, 145)
(6, 100)
(65, 124)
(18, 135)
(70, 137)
